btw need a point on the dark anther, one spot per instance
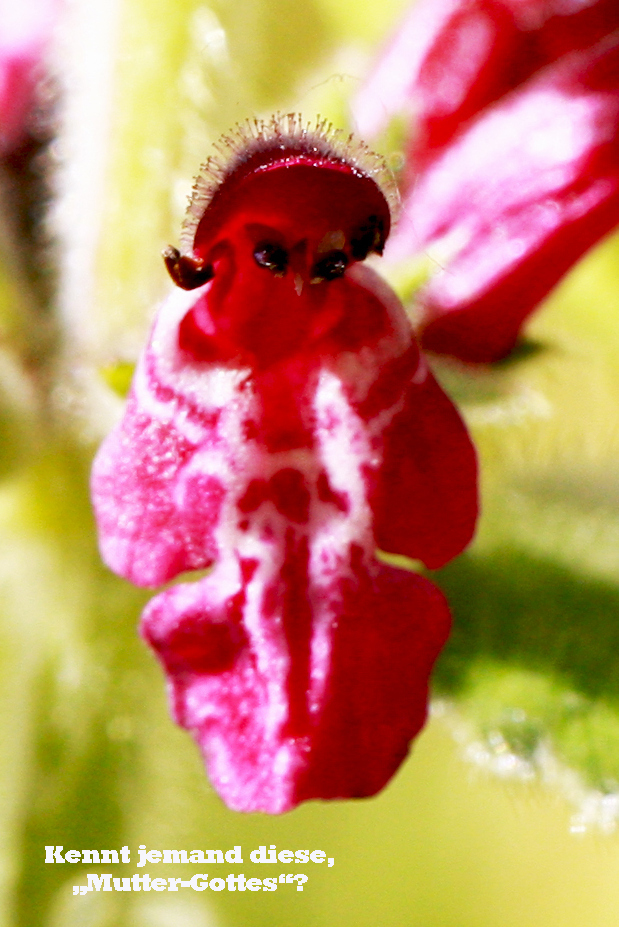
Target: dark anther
(272, 256)
(330, 266)
(369, 237)
(187, 271)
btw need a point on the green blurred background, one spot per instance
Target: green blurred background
(505, 812)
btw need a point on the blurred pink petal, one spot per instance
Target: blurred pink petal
(516, 199)
(512, 161)
(26, 29)
(451, 58)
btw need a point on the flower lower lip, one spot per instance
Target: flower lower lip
(314, 696)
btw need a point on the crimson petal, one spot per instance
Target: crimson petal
(297, 696)
(451, 58)
(515, 201)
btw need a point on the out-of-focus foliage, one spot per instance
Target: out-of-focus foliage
(537, 597)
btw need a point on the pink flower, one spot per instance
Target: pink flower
(281, 425)
(513, 169)
(25, 32)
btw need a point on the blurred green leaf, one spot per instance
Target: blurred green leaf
(536, 599)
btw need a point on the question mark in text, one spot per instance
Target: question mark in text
(301, 880)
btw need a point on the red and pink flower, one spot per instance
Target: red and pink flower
(282, 424)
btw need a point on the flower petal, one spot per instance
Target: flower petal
(300, 690)
(451, 58)
(514, 202)
(156, 510)
(430, 458)
(25, 32)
